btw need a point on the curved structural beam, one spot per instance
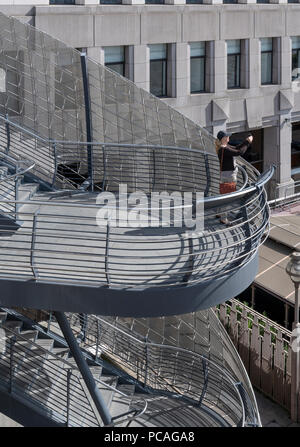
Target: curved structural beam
(128, 303)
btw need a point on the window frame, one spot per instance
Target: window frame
(110, 65)
(237, 73)
(297, 52)
(204, 57)
(165, 72)
(272, 64)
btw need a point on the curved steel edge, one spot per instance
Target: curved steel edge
(226, 198)
(124, 302)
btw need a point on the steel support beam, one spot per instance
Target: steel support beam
(83, 367)
(88, 120)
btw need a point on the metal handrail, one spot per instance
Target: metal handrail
(58, 402)
(163, 348)
(54, 143)
(69, 366)
(116, 419)
(286, 199)
(15, 178)
(63, 240)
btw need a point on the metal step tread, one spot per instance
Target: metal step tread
(120, 404)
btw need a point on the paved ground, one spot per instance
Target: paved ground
(271, 414)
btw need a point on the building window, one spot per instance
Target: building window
(190, 2)
(154, 2)
(114, 58)
(197, 66)
(270, 49)
(233, 63)
(159, 69)
(295, 58)
(62, 2)
(110, 2)
(266, 51)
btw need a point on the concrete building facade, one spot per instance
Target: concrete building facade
(246, 35)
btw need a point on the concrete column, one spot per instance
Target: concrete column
(182, 69)
(142, 66)
(220, 49)
(278, 1)
(277, 151)
(95, 54)
(254, 63)
(286, 61)
(220, 67)
(246, 1)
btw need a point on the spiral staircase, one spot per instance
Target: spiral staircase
(71, 130)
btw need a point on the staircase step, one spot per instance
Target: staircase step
(29, 335)
(108, 393)
(13, 325)
(61, 352)
(46, 343)
(27, 190)
(3, 171)
(120, 404)
(96, 371)
(3, 316)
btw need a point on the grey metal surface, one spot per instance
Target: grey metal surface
(33, 370)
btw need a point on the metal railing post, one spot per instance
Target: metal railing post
(88, 120)
(11, 362)
(83, 368)
(69, 374)
(146, 362)
(7, 134)
(33, 238)
(55, 162)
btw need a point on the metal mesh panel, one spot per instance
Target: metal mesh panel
(44, 92)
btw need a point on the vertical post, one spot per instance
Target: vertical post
(295, 360)
(17, 183)
(252, 296)
(69, 374)
(286, 315)
(49, 322)
(55, 163)
(87, 117)
(98, 339)
(83, 367)
(7, 134)
(146, 362)
(11, 363)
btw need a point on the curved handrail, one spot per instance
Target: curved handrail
(191, 354)
(67, 364)
(225, 198)
(18, 173)
(54, 142)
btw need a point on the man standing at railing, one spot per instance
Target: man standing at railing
(228, 166)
